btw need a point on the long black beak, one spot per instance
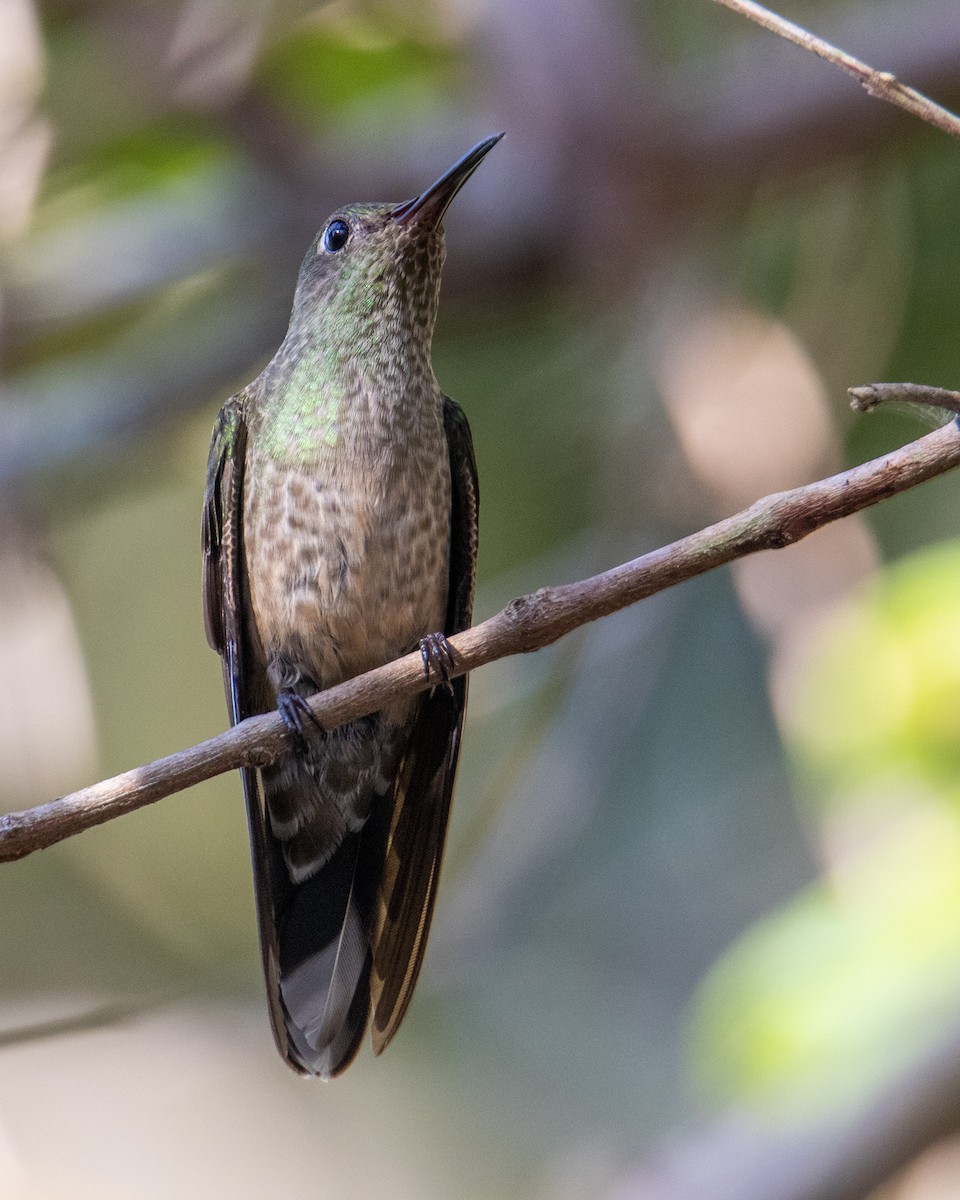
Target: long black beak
(428, 208)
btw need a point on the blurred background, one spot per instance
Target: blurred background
(699, 933)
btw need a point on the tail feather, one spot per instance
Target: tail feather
(348, 936)
(324, 932)
(324, 955)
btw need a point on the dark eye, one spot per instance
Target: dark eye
(335, 236)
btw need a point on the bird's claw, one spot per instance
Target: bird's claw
(438, 657)
(296, 713)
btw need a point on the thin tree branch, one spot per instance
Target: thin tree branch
(866, 398)
(526, 624)
(881, 84)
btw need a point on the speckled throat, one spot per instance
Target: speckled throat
(353, 373)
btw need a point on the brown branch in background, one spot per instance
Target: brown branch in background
(880, 84)
(865, 399)
(844, 1157)
(526, 624)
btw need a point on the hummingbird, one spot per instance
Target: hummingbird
(339, 533)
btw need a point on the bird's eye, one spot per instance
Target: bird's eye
(335, 236)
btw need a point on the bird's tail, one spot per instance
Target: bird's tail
(317, 940)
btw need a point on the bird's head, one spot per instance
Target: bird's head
(372, 274)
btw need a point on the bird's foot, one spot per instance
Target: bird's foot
(296, 714)
(438, 658)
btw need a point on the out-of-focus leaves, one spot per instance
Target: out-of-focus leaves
(131, 224)
(45, 683)
(25, 137)
(529, 377)
(927, 348)
(325, 69)
(883, 700)
(829, 996)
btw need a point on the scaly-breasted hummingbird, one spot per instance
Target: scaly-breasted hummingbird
(340, 532)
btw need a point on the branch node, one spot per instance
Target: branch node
(530, 619)
(864, 399)
(779, 539)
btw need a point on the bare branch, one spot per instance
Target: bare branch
(866, 398)
(880, 84)
(525, 625)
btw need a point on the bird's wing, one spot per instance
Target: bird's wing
(219, 537)
(224, 601)
(426, 776)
